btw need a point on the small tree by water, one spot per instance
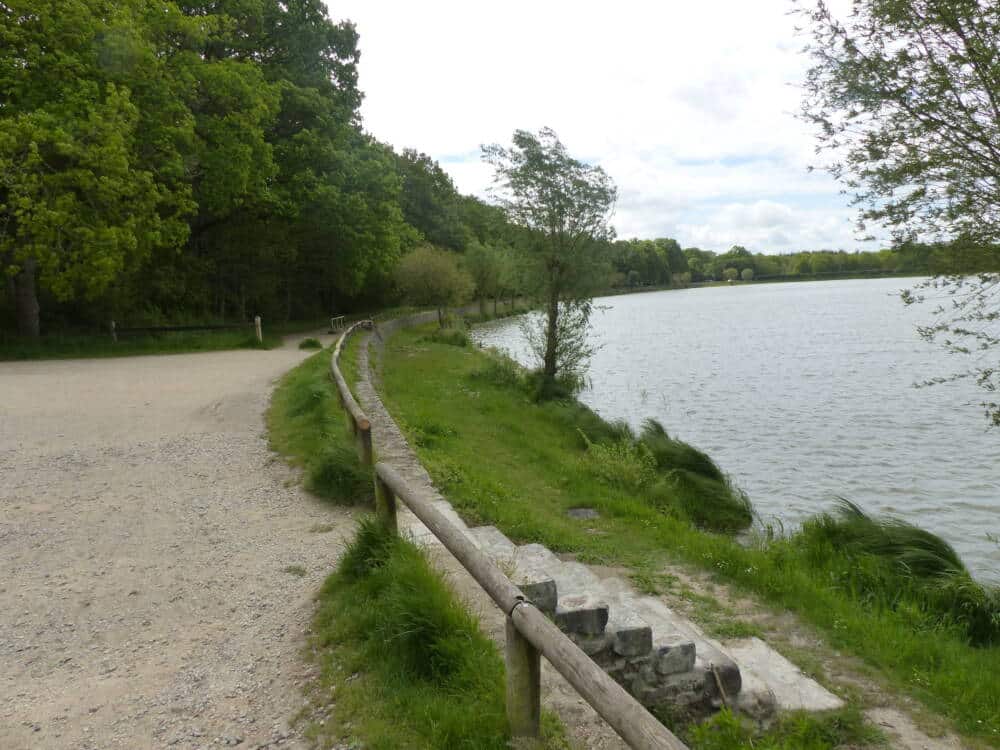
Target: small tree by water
(429, 277)
(565, 205)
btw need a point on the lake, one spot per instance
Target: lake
(803, 392)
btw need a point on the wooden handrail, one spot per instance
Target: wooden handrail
(530, 634)
(629, 718)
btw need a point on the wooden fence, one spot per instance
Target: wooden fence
(116, 331)
(530, 634)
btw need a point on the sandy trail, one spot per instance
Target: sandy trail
(145, 532)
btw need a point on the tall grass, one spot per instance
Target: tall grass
(891, 563)
(307, 425)
(407, 661)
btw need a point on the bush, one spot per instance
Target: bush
(310, 343)
(708, 503)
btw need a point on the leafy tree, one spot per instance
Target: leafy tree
(485, 264)
(746, 274)
(565, 205)
(431, 277)
(730, 274)
(430, 201)
(82, 194)
(905, 96)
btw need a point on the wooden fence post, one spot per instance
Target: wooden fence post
(364, 434)
(385, 504)
(114, 333)
(257, 330)
(524, 693)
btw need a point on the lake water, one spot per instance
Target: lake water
(803, 392)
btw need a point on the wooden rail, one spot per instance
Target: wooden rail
(357, 420)
(116, 331)
(529, 633)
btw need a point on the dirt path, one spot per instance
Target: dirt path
(145, 533)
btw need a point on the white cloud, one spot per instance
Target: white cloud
(689, 106)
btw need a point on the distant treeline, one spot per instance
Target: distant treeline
(662, 262)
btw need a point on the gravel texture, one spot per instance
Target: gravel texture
(145, 533)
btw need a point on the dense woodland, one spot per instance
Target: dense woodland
(172, 162)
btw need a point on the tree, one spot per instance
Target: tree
(565, 205)
(79, 200)
(730, 274)
(430, 277)
(746, 274)
(905, 96)
(485, 264)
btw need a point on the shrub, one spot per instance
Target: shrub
(310, 343)
(708, 503)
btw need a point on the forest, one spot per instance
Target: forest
(176, 162)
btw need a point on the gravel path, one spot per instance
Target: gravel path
(145, 533)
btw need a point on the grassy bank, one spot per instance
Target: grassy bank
(407, 663)
(505, 460)
(402, 663)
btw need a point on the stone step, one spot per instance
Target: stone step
(534, 583)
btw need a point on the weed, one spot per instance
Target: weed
(295, 570)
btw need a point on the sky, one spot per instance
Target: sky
(689, 106)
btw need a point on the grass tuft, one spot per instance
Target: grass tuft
(308, 426)
(310, 343)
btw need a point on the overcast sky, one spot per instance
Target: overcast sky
(689, 106)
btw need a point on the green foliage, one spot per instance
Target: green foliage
(310, 343)
(449, 336)
(565, 207)
(622, 463)
(795, 731)
(429, 277)
(675, 454)
(422, 673)
(892, 563)
(308, 426)
(533, 476)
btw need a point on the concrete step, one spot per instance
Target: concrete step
(535, 584)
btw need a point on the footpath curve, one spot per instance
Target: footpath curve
(145, 533)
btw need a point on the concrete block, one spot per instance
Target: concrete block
(632, 637)
(688, 689)
(674, 658)
(597, 647)
(582, 614)
(541, 591)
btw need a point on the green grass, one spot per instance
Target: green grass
(502, 459)
(310, 343)
(844, 728)
(405, 663)
(308, 427)
(76, 347)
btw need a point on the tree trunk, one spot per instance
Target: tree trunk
(26, 301)
(551, 340)
(494, 307)
(440, 318)
(482, 306)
